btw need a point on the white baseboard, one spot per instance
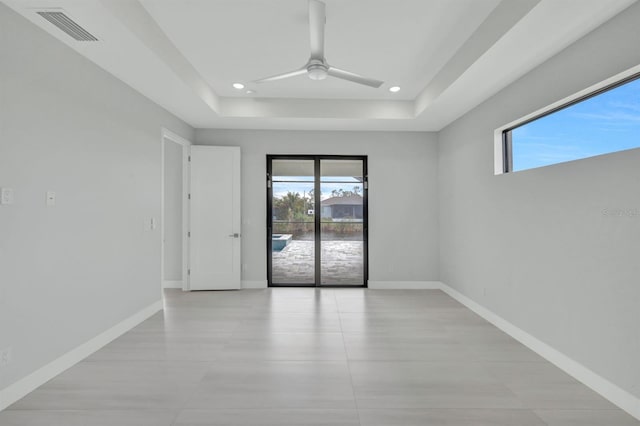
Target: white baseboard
(254, 284)
(26, 385)
(618, 396)
(404, 285)
(172, 284)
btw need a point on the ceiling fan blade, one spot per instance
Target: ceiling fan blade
(317, 20)
(282, 76)
(346, 75)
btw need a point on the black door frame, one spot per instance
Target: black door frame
(317, 218)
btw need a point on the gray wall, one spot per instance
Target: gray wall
(403, 228)
(534, 246)
(75, 270)
(172, 211)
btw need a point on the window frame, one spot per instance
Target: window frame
(503, 142)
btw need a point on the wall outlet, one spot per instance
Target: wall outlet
(5, 356)
(6, 196)
(51, 198)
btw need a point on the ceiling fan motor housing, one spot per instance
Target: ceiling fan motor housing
(317, 70)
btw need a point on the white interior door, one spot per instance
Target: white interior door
(214, 244)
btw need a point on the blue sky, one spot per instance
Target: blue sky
(605, 123)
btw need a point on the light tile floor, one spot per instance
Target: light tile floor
(314, 357)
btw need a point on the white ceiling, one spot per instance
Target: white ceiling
(447, 55)
(401, 42)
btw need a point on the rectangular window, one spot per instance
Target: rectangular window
(605, 121)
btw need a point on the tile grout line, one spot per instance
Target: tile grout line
(346, 354)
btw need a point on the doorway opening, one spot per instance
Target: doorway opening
(174, 210)
(317, 221)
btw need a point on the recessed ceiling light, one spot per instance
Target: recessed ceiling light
(238, 86)
(394, 89)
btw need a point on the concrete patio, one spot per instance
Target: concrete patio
(342, 263)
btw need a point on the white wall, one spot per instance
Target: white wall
(403, 229)
(72, 271)
(172, 211)
(534, 246)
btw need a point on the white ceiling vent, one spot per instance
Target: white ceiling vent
(68, 25)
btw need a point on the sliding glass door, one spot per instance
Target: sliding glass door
(292, 224)
(317, 220)
(342, 196)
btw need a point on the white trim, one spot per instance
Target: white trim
(27, 384)
(254, 284)
(498, 149)
(172, 284)
(404, 285)
(186, 224)
(167, 134)
(610, 391)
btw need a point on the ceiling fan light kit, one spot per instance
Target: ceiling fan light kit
(317, 68)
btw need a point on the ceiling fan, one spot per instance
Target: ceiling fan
(317, 67)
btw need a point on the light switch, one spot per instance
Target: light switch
(7, 196)
(51, 198)
(150, 224)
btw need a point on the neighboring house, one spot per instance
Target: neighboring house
(347, 207)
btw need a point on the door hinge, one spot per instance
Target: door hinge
(189, 158)
(268, 180)
(188, 271)
(189, 234)
(189, 196)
